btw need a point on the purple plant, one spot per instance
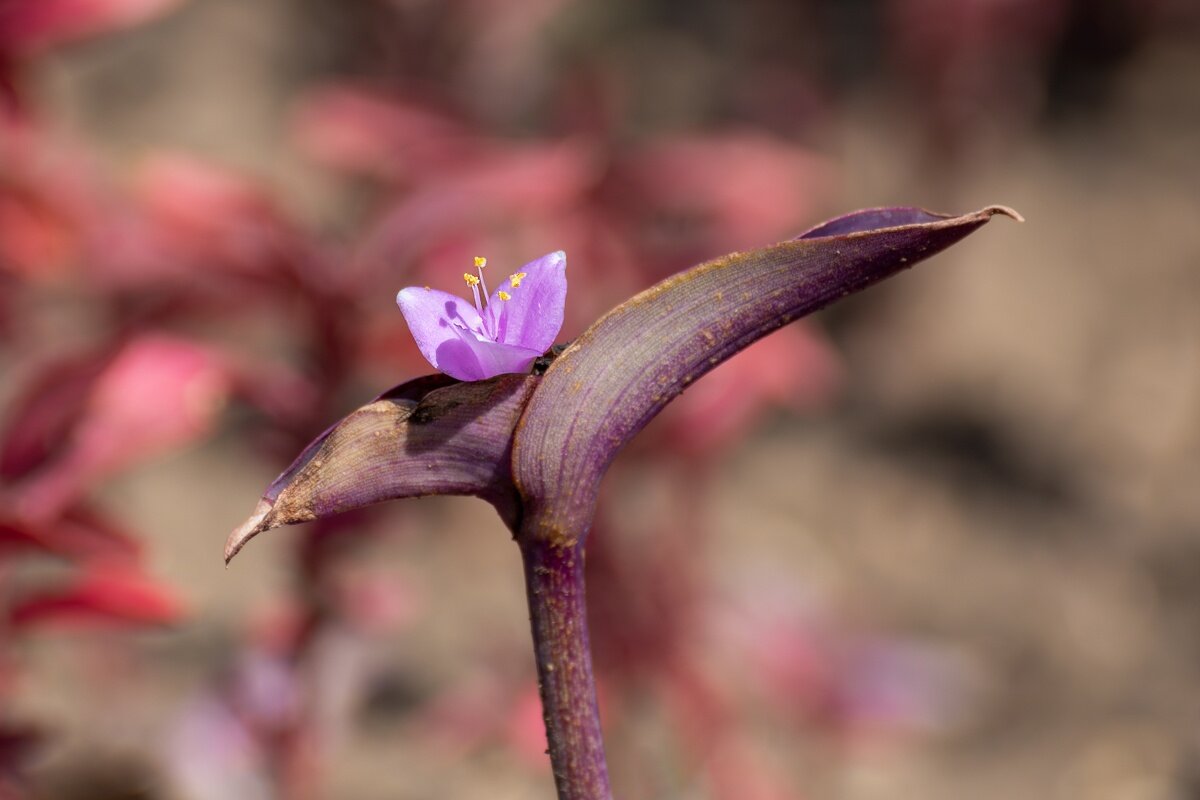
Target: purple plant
(537, 445)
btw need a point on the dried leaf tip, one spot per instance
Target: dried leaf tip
(1012, 213)
(256, 524)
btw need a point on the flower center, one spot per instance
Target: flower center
(480, 293)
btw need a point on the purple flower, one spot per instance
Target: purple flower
(504, 333)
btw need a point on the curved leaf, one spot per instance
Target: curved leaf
(428, 436)
(621, 372)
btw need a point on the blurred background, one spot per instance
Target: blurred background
(940, 541)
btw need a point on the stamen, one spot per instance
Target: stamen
(503, 295)
(473, 282)
(516, 278)
(480, 263)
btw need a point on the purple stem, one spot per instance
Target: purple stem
(558, 615)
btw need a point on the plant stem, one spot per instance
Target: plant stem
(558, 615)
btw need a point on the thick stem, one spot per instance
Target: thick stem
(558, 615)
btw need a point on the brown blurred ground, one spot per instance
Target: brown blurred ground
(1011, 475)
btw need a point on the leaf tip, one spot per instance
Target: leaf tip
(256, 524)
(1012, 213)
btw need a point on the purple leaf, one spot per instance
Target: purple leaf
(621, 372)
(871, 219)
(505, 333)
(427, 436)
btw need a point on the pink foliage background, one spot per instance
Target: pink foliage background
(940, 541)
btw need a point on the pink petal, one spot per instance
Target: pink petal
(473, 359)
(533, 315)
(428, 313)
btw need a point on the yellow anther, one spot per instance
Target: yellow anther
(504, 295)
(480, 262)
(470, 279)
(516, 278)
